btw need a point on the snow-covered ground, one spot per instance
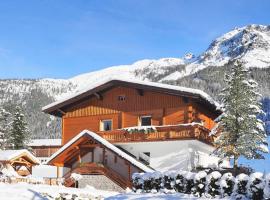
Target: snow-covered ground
(158, 196)
(24, 191)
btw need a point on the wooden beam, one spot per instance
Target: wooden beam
(88, 146)
(98, 95)
(71, 157)
(61, 111)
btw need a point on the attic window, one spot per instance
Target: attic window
(121, 98)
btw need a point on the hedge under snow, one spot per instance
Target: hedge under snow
(214, 184)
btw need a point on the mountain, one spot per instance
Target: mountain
(250, 44)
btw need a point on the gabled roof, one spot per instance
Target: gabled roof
(45, 142)
(103, 142)
(100, 86)
(9, 155)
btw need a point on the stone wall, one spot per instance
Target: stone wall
(99, 182)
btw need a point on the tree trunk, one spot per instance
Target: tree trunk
(235, 165)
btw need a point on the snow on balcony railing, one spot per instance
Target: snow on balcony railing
(155, 133)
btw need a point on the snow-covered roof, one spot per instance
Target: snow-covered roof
(6, 155)
(106, 144)
(45, 142)
(165, 87)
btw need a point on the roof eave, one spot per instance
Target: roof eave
(58, 109)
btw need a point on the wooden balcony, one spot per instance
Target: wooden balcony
(161, 133)
(44, 152)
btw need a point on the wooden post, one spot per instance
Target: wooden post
(57, 171)
(186, 114)
(93, 155)
(163, 121)
(129, 172)
(190, 114)
(103, 156)
(122, 120)
(79, 157)
(49, 154)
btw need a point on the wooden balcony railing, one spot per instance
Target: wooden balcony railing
(44, 152)
(173, 132)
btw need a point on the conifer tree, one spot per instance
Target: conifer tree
(4, 128)
(19, 132)
(241, 132)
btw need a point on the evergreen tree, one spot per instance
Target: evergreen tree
(4, 128)
(19, 132)
(241, 132)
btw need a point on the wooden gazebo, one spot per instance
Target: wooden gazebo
(21, 161)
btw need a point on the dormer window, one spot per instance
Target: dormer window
(121, 97)
(145, 120)
(106, 125)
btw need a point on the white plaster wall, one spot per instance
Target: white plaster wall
(120, 166)
(173, 155)
(87, 158)
(98, 154)
(48, 171)
(203, 156)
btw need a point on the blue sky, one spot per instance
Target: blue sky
(60, 39)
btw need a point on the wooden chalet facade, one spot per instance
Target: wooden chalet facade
(124, 111)
(44, 148)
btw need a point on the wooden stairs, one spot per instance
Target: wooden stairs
(96, 169)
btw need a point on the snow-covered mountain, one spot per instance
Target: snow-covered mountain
(135, 70)
(251, 44)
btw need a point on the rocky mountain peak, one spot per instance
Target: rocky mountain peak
(251, 44)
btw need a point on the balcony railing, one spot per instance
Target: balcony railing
(44, 152)
(159, 133)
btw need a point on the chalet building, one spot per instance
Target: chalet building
(117, 127)
(43, 149)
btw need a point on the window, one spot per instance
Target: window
(106, 125)
(115, 158)
(146, 121)
(121, 98)
(147, 153)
